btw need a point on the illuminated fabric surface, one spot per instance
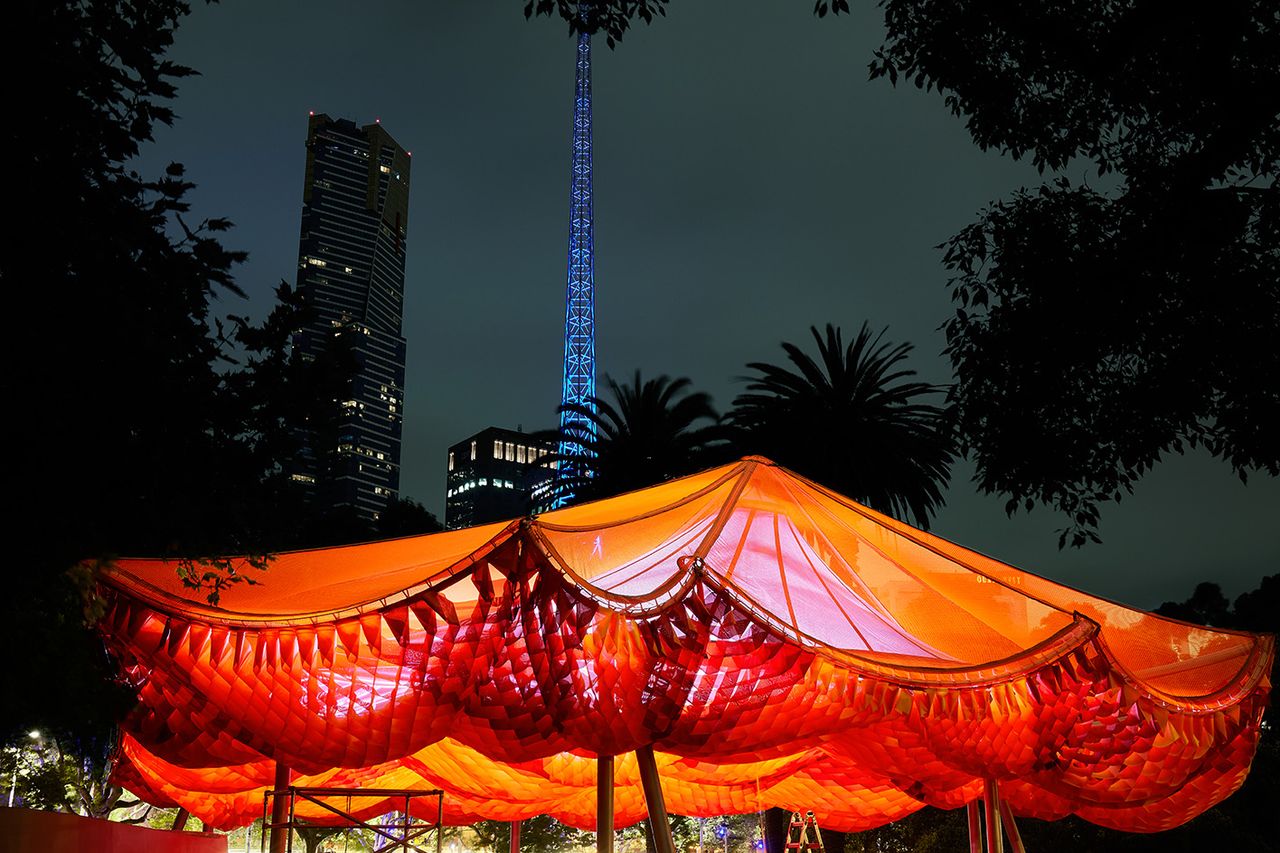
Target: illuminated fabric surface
(777, 644)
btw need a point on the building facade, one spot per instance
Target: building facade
(494, 475)
(351, 261)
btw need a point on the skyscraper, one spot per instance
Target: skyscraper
(351, 256)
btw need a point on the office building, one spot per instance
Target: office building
(495, 475)
(351, 260)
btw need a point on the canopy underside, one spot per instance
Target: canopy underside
(775, 643)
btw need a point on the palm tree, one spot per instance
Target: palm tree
(854, 420)
(652, 430)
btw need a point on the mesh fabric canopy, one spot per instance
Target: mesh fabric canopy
(776, 644)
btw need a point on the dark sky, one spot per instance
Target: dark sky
(749, 182)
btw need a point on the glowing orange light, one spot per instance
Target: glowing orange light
(776, 643)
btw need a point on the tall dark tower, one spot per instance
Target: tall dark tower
(355, 212)
(579, 321)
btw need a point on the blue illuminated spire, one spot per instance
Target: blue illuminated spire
(579, 317)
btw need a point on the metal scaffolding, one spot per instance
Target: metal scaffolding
(401, 834)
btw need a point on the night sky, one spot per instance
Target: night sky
(749, 182)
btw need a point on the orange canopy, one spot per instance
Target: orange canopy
(777, 645)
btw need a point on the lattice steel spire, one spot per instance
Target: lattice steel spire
(579, 319)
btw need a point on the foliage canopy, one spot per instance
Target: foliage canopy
(149, 423)
(853, 419)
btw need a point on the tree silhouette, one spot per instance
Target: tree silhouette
(406, 517)
(612, 18)
(147, 423)
(651, 430)
(1099, 329)
(854, 420)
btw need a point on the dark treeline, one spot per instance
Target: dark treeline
(146, 416)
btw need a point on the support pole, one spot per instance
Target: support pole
(991, 808)
(280, 810)
(515, 837)
(777, 829)
(288, 827)
(659, 823)
(1011, 828)
(439, 821)
(180, 820)
(975, 827)
(604, 804)
(262, 836)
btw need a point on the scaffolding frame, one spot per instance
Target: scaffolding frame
(410, 829)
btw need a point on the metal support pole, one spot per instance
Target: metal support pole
(604, 804)
(975, 827)
(515, 837)
(991, 809)
(280, 832)
(659, 823)
(1011, 828)
(288, 829)
(180, 820)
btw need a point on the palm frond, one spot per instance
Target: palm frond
(854, 418)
